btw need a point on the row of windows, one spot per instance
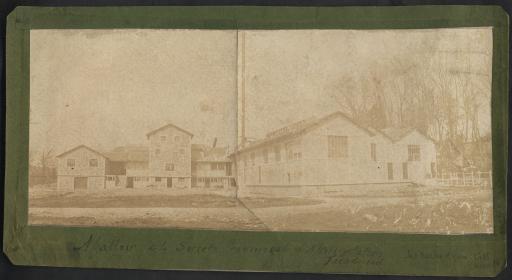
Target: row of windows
(175, 155)
(337, 147)
(92, 163)
(177, 138)
(217, 166)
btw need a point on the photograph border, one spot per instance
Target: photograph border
(185, 249)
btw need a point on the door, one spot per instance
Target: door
(80, 183)
(405, 171)
(169, 182)
(206, 182)
(390, 171)
(129, 182)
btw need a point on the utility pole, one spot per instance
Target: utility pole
(241, 87)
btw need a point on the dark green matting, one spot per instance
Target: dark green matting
(368, 253)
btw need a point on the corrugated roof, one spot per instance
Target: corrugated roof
(301, 127)
(166, 126)
(129, 154)
(203, 153)
(82, 146)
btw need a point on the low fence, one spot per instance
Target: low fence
(473, 179)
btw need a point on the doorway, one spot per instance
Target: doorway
(129, 182)
(80, 183)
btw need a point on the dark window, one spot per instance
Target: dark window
(169, 167)
(163, 138)
(337, 146)
(93, 162)
(253, 158)
(433, 169)
(414, 152)
(277, 152)
(390, 171)
(373, 151)
(405, 171)
(265, 155)
(71, 163)
(158, 179)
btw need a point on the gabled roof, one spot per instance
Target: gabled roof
(79, 147)
(203, 153)
(166, 126)
(129, 154)
(302, 127)
(396, 134)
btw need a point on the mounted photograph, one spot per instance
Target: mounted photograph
(262, 130)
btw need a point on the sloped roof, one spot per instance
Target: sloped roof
(166, 126)
(79, 147)
(397, 133)
(203, 153)
(301, 127)
(129, 154)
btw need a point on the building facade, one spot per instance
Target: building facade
(81, 168)
(334, 150)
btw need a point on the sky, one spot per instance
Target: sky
(108, 88)
(291, 75)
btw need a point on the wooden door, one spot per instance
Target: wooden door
(80, 183)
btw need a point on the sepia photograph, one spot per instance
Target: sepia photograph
(312, 130)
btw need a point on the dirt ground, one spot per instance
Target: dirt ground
(448, 210)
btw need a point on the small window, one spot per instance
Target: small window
(169, 167)
(253, 158)
(433, 170)
(414, 152)
(181, 180)
(163, 138)
(405, 171)
(373, 151)
(245, 160)
(337, 146)
(265, 155)
(157, 152)
(177, 139)
(289, 151)
(390, 171)
(158, 179)
(277, 152)
(71, 163)
(182, 152)
(93, 162)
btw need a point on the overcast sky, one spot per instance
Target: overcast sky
(293, 74)
(107, 88)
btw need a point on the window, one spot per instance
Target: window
(433, 169)
(245, 161)
(181, 180)
(265, 155)
(390, 171)
(177, 139)
(289, 151)
(277, 152)
(182, 152)
(71, 163)
(337, 146)
(253, 158)
(405, 171)
(169, 167)
(373, 151)
(157, 152)
(163, 138)
(297, 155)
(414, 152)
(158, 179)
(93, 162)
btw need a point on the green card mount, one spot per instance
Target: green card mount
(149, 248)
